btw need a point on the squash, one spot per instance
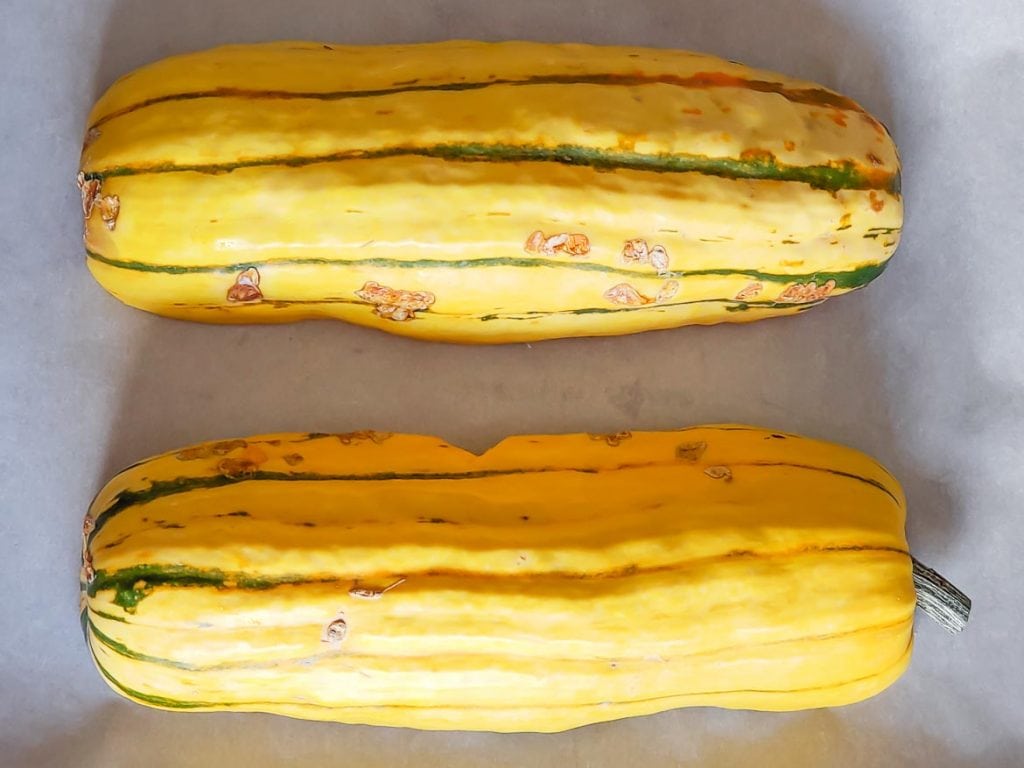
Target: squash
(551, 582)
(482, 192)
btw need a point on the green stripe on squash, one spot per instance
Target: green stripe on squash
(762, 167)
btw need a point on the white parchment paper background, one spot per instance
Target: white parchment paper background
(924, 369)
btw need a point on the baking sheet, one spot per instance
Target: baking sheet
(924, 370)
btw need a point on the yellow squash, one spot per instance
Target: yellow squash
(482, 192)
(551, 582)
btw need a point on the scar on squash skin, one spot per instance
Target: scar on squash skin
(236, 468)
(221, 448)
(636, 251)
(845, 222)
(613, 439)
(90, 138)
(336, 631)
(572, 243)
(110, 208)
(719, 473)
(395, 303)
(691, 452)
(371, 593)
(350, 438)
(88, 572)
(749, 291)
(246, 287)
(292, 459)
(800, 293)
(877, 203)
(90, 189)
(628, 296)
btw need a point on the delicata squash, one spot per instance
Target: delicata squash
(551, 582)
(482, 192)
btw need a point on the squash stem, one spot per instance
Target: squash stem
(940, 600)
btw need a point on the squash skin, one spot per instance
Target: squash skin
(482, 192)
(552, 582)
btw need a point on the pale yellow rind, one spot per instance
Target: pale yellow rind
(319, 233)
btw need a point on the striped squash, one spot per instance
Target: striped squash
(551, 582)
(482, 192)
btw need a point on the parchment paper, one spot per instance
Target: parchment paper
(924, 370)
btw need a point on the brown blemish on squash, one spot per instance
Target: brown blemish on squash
(838, 117)
(90, 189)
(791, 242)
(874, 159)
(237, 468)
(88, 572)
(877, 203)
(691, 452)
(205, 451)
(756, 154)
(719, 473)
(800, 293)
(845, 222)
(571, 243)
(88, 525)
(246, 287)
(394, 303)
(667, 291)
(336, 631)
(90, 138)
(292, 459)
(373, 593)
(692, 111)
(659, 260)
(789, 144)
(626, 295)
(110, 209)
(237, 513)
(613, 439)
(749, 291)
(348, 438)
(435, 521)
(792, 262)
(384, 112)
(636, 251)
